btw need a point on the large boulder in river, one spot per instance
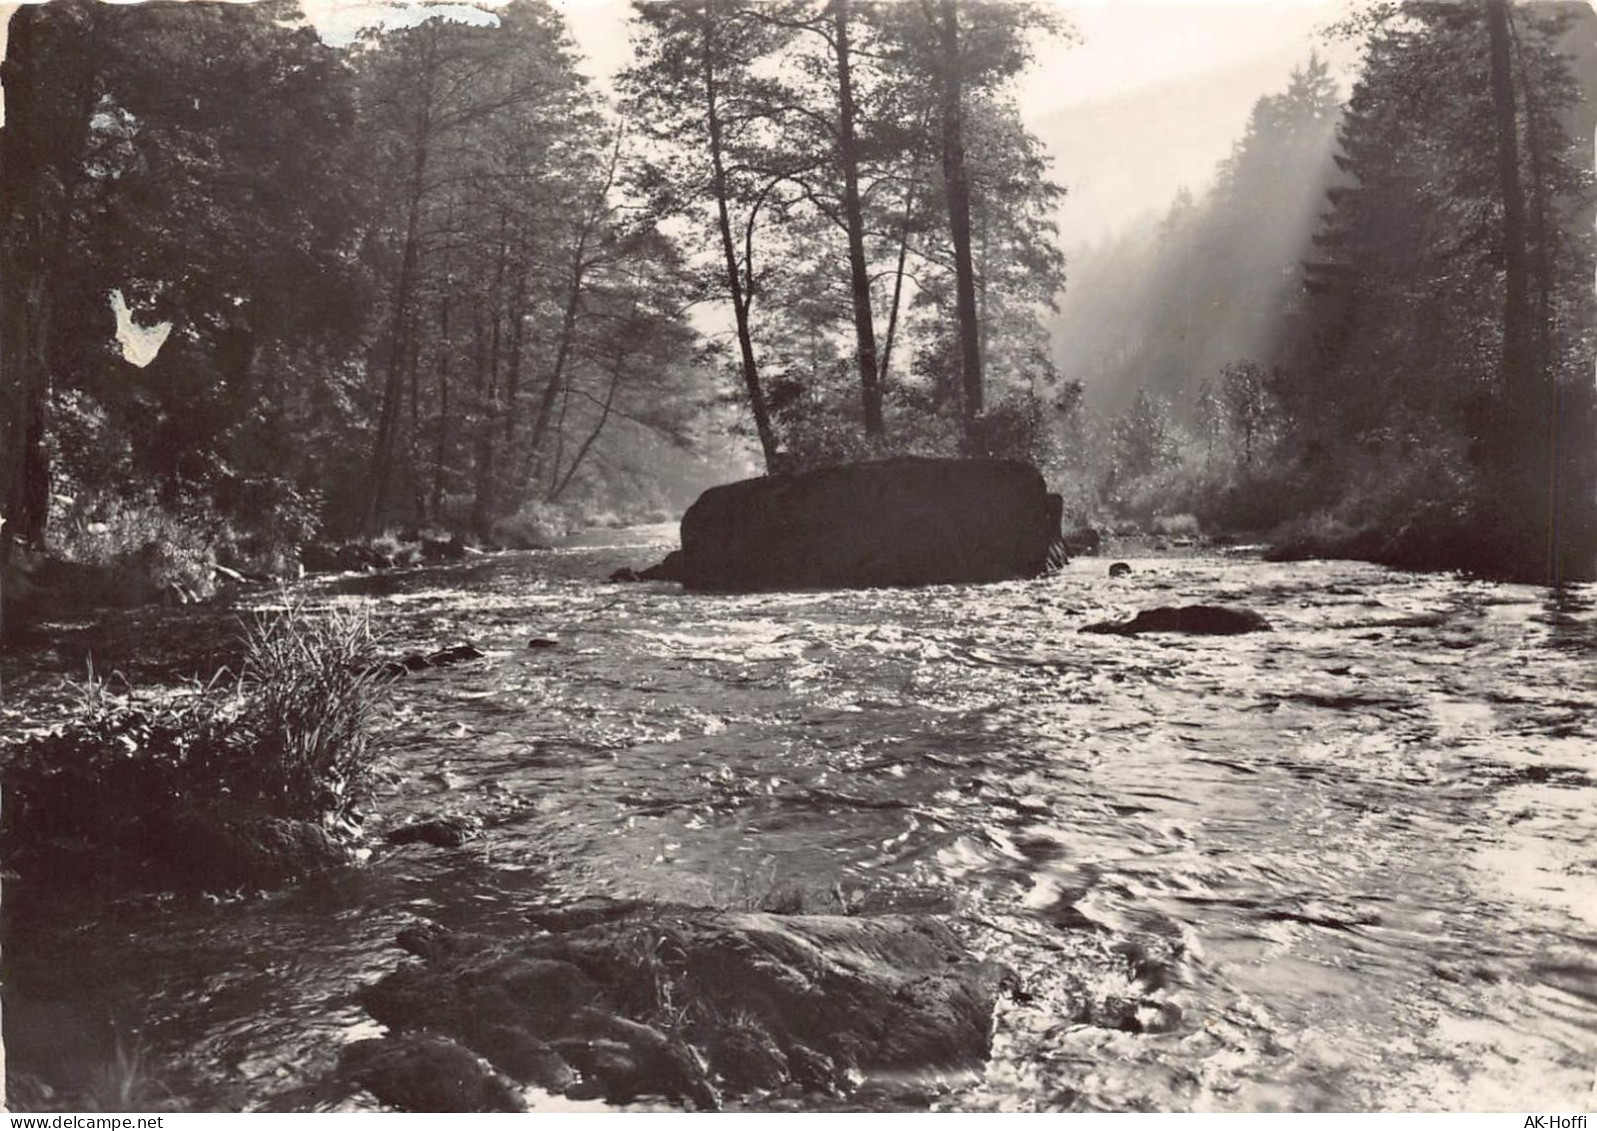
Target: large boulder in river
(905, 521)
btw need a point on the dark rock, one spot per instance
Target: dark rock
(443, 657)
(219, 852)
(1133, 1014)
(454, 654)
(905, 521)
(425, 1072)
(542, 642)
(429, 943)
(441, 832)
(434, 550)
(317, 557)
(648, 1000)
(673, 568)
(815, 1071)
(464, 988)
(525, 1058)
(747, 1058)
(1119, 569)
(625, 573)
(1083, 541)
(629, 1059)
(1196, 620)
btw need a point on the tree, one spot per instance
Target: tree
(1219, 276)
(189, 157)
(41, 174)
(1422, 340)
(695, 93)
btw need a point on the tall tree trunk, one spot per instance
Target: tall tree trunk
(441, 440)
(34, 244)
(481, 466)
(483, 501)
(859, 271)
(560, 441)
(1516, 360)
(387, 442)
(518, 327)
(557, 375)
(582, 452)
(956, 187)
(26, 377)
(1521, 457)
(740, 299)
(898, 283)
(386, 446)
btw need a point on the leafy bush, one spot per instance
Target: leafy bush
(535, 524)
(1177, 525)
(140, 546)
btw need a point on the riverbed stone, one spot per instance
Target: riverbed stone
(688, 1003)
(425, 1072)
(450, 831)
(215, 850)
(894, 522)
(1191, 620)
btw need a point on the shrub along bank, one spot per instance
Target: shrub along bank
(253, 779)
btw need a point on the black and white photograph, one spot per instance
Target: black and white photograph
(798, 556)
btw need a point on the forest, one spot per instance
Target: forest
(863, 795)
(258, 290)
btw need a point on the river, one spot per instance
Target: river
(1348, 864)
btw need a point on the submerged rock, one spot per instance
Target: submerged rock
(1193, 620)
(905, 521)
(1119, 569)
(1083, 541)
(441, 832)
(433, 550)
(442, 658)
(686, 1004)
(217, 851)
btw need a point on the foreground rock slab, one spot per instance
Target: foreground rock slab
(691, 1005)
(896, 522)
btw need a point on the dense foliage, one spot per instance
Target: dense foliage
(432, 279)
(400, 284)
(1374, 335)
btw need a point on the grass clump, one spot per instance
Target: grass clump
(310, 690)
(248, 779)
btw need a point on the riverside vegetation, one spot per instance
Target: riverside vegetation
(434, 279)
(248, 779)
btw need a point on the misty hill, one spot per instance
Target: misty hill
(1122, 158)
(1214, 275)
(1165, 305)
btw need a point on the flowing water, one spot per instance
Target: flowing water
(1347, 864)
